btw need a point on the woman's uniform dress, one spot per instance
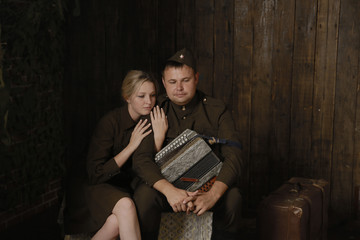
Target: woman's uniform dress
(108, 183)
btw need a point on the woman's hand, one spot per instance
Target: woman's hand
(139, 133)
(159, 125)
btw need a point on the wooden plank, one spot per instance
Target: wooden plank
(84, 66)
(115, 25)
(282, 55)
(205, 44)
(148, 30)
(223, 53)
(356, 165)
(324, 87)
(96, 57)
(166, 34)
(185, 34)
(243, 54)
(346, 111)
(261, 98)
(302, 88)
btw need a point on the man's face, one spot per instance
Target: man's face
(180, 84)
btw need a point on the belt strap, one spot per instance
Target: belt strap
(213, 140)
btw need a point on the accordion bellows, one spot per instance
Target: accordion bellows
(188, 162)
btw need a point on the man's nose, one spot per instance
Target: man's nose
(179, 86)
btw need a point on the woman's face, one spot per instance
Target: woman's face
(142, 100)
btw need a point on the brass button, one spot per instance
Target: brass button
(183, 108)
(204, 99)
(184, 117)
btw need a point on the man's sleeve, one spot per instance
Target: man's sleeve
(143, 161)
(233, 163)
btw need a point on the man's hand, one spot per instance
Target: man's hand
(207, 200)
(174, 196)
(189, 201)
(204, 202)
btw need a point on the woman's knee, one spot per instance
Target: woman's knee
(124, 206)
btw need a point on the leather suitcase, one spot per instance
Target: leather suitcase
(298, 210)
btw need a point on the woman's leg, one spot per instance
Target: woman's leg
(123, 220)
(125, 212)
(110, 229)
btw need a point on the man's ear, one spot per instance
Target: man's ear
(163, 81)
(197, 77)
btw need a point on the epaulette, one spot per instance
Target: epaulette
(207, 100)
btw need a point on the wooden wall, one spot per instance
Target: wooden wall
(288, 70)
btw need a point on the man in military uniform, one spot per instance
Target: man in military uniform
(188, 108)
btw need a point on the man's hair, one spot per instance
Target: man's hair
(174, 64)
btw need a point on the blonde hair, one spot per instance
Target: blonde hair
(133, 80)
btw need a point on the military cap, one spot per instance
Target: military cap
(184, 56)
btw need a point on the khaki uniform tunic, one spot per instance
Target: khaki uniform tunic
(206, 116)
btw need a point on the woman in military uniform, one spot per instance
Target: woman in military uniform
(116, 137)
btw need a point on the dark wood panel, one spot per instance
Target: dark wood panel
(185, 34)
(282, 55)
(262, 71)
(345, 110)
(84, 67)
(243, 54)
(115, 25)
(324, 87)
(302, 87)
(94, 68)
(223, 50)
(205, 44)
(289, 71)
(166, 45)
(145, 35)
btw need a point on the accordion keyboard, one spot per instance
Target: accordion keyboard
(172, 148)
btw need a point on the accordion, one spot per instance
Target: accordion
(188, 162)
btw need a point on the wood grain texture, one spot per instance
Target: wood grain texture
(282, 55)
(287, 69)
(345, 110)
(242, 74)
(324, 87)
(205, 45)
(261, 82)
(302, 87)
(223, 51)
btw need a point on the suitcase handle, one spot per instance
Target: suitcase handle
(296, 187)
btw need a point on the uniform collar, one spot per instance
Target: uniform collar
(187, 107)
